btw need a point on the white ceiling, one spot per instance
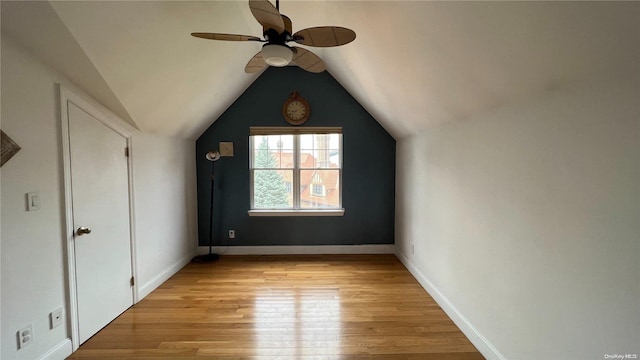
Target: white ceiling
(413, 64)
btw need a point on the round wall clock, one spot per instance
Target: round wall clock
(296, 109)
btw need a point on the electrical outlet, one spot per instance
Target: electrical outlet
(56, 318)
(25, 336)
(232, 234)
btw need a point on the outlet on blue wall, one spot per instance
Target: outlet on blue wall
(368, 175)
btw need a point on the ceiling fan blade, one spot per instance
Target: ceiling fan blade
(307, 60)
(267, 15)
(256, 63)
(226, 37)
(324, 36)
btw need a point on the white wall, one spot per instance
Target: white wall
(33, 273)
(165, 207)
(525, 222)
(33, 263)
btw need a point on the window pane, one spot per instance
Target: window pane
(272, 151)
(319, 189)
(272, 189)
(320, 151)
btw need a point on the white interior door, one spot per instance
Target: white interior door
(100, 202)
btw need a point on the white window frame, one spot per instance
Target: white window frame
(296, 210)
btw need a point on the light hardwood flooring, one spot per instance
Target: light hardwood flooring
(285, 307)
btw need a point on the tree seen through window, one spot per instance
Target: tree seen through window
(270, 190)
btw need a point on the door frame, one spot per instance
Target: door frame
(114, 123)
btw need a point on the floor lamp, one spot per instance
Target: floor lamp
(212, 156)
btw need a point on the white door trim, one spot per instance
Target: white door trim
(112, 122)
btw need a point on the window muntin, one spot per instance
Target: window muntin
(296, 171)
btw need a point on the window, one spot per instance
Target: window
(317, 190)
(296, 171)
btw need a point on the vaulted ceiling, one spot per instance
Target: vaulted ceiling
(413, 64)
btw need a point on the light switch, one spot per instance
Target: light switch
(33, 201)
(226, 148)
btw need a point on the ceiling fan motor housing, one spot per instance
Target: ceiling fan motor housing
(273, 37)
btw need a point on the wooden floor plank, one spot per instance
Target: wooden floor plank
(285, 307)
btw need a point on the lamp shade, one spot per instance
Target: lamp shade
(277, 55)
(213, 155)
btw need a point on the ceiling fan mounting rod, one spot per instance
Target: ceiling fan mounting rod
(278, 5)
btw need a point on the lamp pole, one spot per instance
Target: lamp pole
(212, 156)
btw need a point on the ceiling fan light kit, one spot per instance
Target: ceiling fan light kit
(277, 55)
(277, 32)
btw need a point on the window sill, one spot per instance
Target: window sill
(329, 212)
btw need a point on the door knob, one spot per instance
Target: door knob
(83, 230)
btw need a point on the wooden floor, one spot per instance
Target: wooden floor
(285, 307)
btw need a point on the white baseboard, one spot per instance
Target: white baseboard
(479, 341)
(300, 249)
(152, 284)
(59, 352)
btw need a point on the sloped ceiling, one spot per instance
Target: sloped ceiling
(35, 25)
(413, 64)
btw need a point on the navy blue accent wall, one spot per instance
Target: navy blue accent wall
(368, 167)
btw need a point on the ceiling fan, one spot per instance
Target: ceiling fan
(277, 32)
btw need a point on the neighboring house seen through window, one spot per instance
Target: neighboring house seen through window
(296, 169)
